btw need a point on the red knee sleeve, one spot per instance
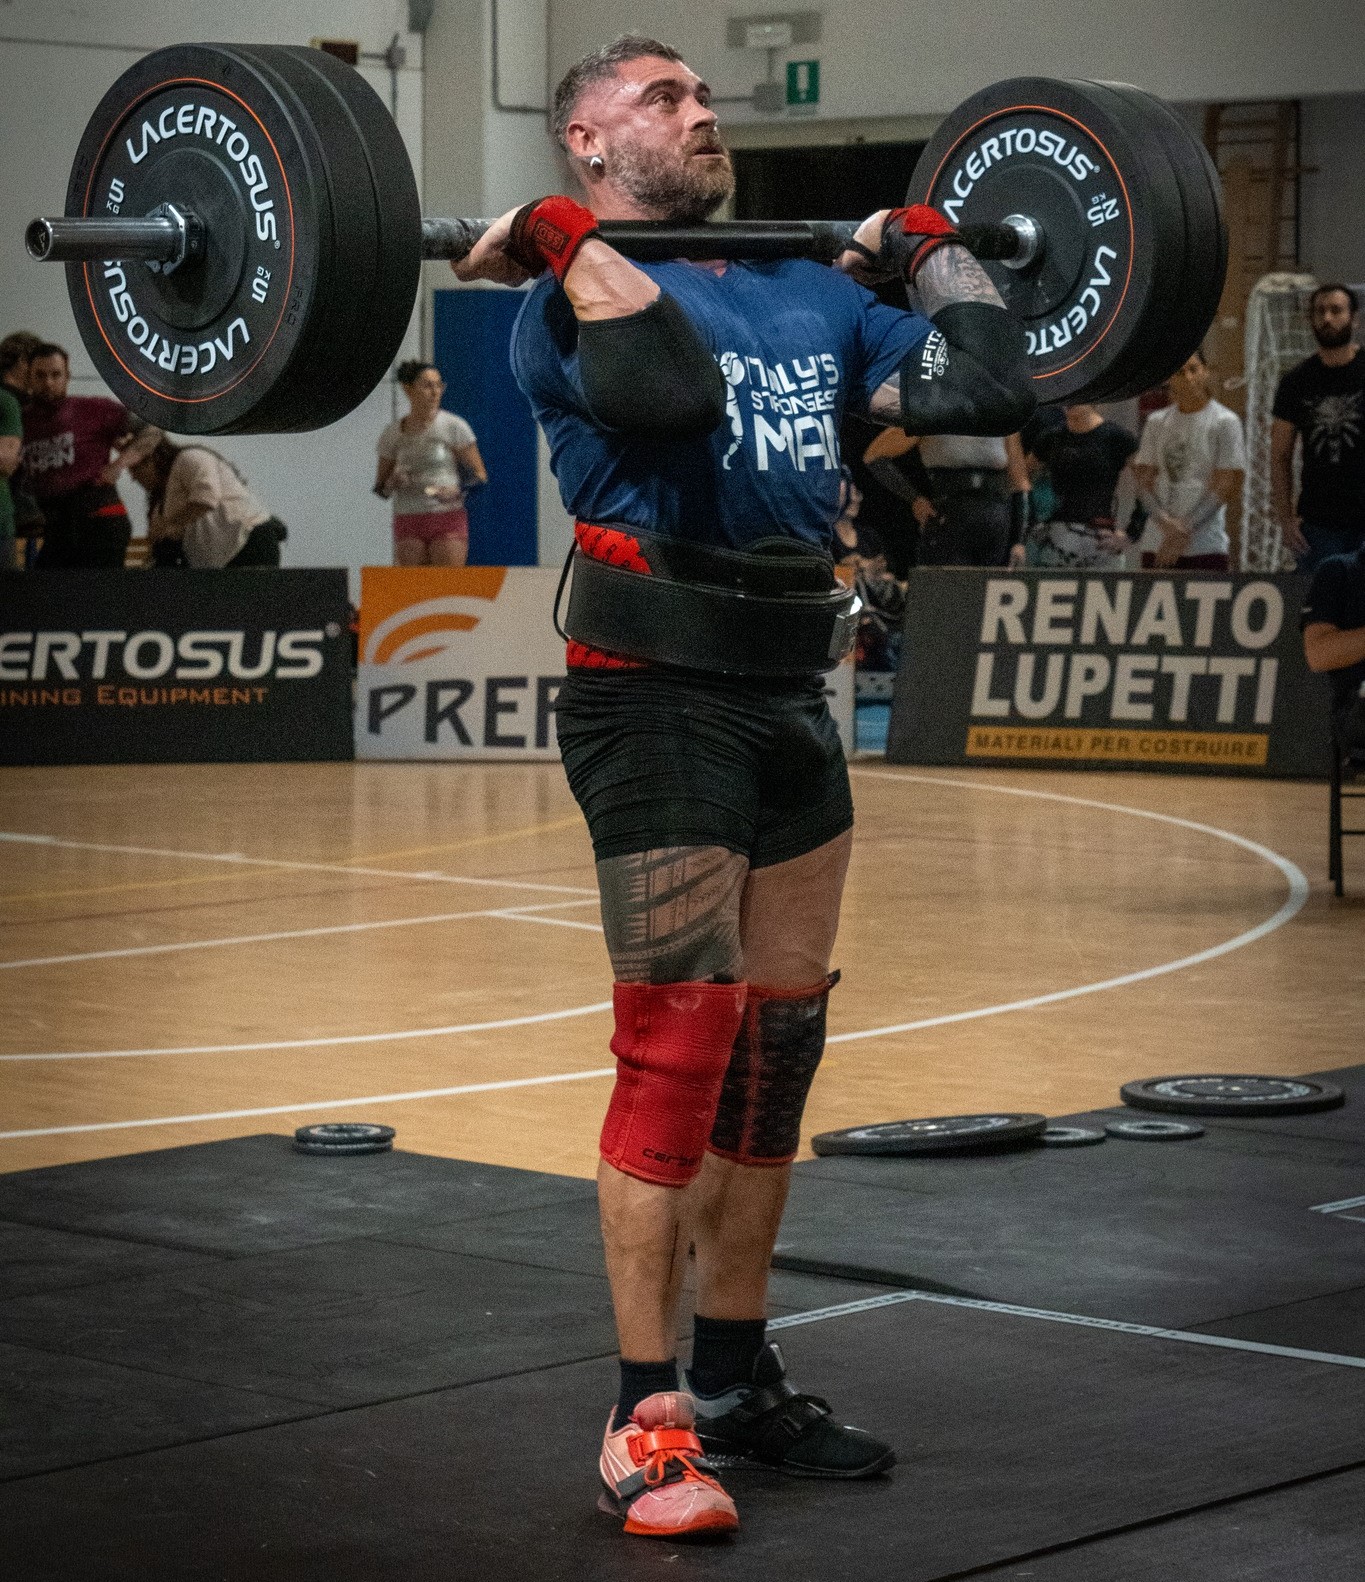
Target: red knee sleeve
(672, 1045)
(776, 1052)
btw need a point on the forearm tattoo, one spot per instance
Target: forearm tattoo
(672, 915)
(951, 274)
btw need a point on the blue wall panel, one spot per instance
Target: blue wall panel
(472, 332)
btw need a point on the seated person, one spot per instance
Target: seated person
(1333, 622)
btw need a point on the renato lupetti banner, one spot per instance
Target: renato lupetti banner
(174, 667)
(465, 663)
(1141, 670)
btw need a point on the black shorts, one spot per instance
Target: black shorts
(659, 758)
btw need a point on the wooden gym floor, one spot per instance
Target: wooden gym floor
(206, 951)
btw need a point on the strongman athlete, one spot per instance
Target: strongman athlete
(692, 412)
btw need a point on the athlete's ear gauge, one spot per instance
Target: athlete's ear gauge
(597, 163)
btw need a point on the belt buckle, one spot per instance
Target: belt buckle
(845, 632)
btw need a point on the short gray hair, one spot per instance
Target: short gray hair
(602, 63)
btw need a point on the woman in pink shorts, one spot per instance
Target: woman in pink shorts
(425, 461)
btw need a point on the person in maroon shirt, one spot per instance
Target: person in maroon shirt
(70, 467)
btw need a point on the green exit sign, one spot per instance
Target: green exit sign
(803, 82)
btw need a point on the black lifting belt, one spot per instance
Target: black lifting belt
(776, 609)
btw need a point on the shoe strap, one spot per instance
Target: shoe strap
(650, 1440)
(663, 1456)
(778, 1416)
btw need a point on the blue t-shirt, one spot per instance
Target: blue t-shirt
(799, 344)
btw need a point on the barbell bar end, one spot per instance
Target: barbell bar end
(157, 237)
(38, 239)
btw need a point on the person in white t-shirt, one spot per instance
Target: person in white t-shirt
(426, 461)
(1189, 468)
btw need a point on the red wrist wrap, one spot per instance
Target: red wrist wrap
(550, 231)
(921, 229)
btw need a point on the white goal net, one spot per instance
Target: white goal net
(1277, 337)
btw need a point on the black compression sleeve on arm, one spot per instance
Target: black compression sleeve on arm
(651, 373)
(970, 377)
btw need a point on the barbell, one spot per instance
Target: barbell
(243, 235)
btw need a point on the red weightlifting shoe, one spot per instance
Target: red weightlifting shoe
(656, 1478)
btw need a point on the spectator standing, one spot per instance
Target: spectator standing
(978, 510)
(1084, 457)
(1333, 622)
(425, 460)
(22, 513)
(200, 512)
(11, 445)
(1321, 406)
(16, 352)
(1189, 468)
(70, 468)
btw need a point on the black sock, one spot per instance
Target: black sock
(639, 1379)
(724, 1351)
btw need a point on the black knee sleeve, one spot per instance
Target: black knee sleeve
(773, 1062)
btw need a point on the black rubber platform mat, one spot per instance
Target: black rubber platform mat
(37, 1258)
(566, 1236)
(256, 1194)
(1343, 1125)
(336, 1324)
(1327, 1323)
(1310, 1532)
(61, 1411)
(1155, 1233)
(1016, 1436)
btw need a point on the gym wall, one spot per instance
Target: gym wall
(922, 57)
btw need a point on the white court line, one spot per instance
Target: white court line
(1298, 894)
(314, 1043)
(1336, 1208)
(241, 860)
(329, 1104)
(817, 1315)
(522, 915)
(516, 914)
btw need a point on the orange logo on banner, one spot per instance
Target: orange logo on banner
(409, 613)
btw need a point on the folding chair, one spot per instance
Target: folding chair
(1347, 765)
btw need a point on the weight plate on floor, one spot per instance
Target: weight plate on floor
(1153, 1131)
(1070, 1137)
(935, 1134)
(344, 1137)
(1244, 1096)
(1066, 155)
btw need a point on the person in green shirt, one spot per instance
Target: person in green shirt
(11, 443)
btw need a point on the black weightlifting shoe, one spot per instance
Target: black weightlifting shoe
(768, 1423)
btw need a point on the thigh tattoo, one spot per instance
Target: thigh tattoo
(672, 915)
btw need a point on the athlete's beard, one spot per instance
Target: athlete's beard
(1329, 339)
(674, 186)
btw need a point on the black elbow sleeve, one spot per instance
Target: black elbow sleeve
(651, 373)
(970, 377)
